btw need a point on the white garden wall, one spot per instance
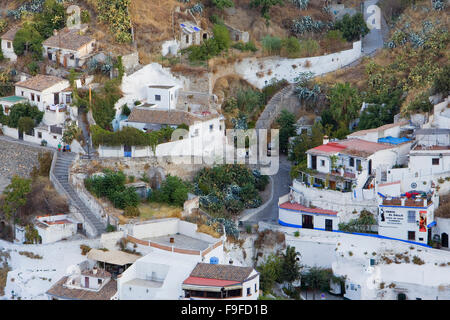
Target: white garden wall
(281, 68)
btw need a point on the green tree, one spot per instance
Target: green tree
(286, 122)
(222, 37)
(345, 103)
(15, 197)
(290, 267)
(270, 271)
(26, 124)
(173, 191)
(22, 110)
(52, 17)
(317, 279)
(291, 47)
(222, 4)
(265, 6)
(28, 39)
(352, 27)
(441, 82)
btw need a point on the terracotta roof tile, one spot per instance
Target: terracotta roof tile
(40, 82)
(173, 117)
(299, 207)
(10, 34)
(382, 128)
(60, 291)
(221, 272)
(68, 39)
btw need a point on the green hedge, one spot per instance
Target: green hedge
(130, 136)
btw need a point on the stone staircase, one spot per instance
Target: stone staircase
(61, 173)
(273, 108)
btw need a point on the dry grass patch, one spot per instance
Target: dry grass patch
(154, 210)
(30, 255)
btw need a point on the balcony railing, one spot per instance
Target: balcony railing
(57, 108)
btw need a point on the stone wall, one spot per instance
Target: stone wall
(138, 166)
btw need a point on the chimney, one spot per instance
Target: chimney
(325, 139)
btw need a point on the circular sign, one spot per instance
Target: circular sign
(413, 185)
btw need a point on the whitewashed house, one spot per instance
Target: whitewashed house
(410, 219)
(8, 102)
(84, 282)
(7, 44)
(430, 160)
(206, 132)
(164, 97)
(52, 228)
(70, 48)
(191, 34)
(173, 248)
(374, 135)
(53, 96)
(212, 281)
(351, 163)
(45, 91)
(292, 213)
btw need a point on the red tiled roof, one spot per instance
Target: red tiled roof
(299, 207)
(331, 147)
(197, 281)
(355, 147)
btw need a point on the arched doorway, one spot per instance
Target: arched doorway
(444, 240)
(401, 296)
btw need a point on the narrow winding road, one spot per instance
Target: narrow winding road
(282, 181)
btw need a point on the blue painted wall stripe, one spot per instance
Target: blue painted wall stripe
(355, 233)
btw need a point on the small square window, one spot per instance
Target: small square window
(322, 163)
(435, 161)
(40, 135)
(157, 97)
(352, 162)
(99, 281)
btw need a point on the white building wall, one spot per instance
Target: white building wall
(422, 160)
(46, 96)
(281, 68)
(294, 218)
(168, 97)
(396, 223)
(8, 52)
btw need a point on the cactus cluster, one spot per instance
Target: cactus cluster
(301, 4)
(308, 24)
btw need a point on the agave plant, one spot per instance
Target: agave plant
(308, 24)
(301, 4)
(197, 8)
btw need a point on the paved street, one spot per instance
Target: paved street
(374, 40)
(282, 182)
